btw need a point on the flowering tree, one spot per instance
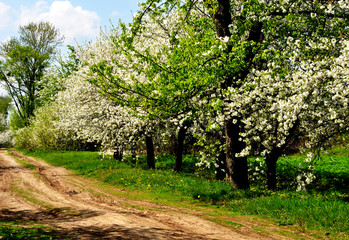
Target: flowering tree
(93, 117)
(121, 63)
(310, 102)
(96, 118)
(223, 51)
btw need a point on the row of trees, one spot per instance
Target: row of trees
(234, 78)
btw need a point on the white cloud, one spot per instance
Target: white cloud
(4, 15)
(73, 22)
(32, 14)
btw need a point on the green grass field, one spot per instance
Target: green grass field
(324, 207)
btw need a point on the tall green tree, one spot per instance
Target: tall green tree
(24, 61)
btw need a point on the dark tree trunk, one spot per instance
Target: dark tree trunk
(150, 152)
(276, 152)
(118, 154)
(179, 148)
(271, 174)
(222, 18)
(271, 160)
(236, 170)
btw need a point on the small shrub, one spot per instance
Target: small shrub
(42, 134)
(6, 139)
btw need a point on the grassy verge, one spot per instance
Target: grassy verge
(289, 209)
(323, 208)
(13, 230)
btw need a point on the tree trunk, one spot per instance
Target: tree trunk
(31, 96)
(237, 170)
(271, 174)
(222, 18)
(271, 160)
(276, 152)
(150, 152)
(179, 148)
(118, 153)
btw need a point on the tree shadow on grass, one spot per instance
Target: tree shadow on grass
(56, 214)
(55, 217)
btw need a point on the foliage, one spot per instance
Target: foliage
(43, 131)
(245, 78)
(95, 118)
(6, 138)
(25, 60)
(16, 122)
(41, 134)
(330, 171)
(267, 72)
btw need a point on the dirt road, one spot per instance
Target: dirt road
(72, 204)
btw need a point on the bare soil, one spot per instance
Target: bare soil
(72, 204)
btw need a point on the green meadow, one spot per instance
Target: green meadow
(323, 207)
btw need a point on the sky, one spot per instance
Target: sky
(78, 20)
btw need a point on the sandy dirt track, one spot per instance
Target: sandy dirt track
(72, 204)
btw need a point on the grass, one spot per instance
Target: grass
(323, 208)
(16, 230)
(331, 171)
(288, 209)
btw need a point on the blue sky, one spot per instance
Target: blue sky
(78, 20)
